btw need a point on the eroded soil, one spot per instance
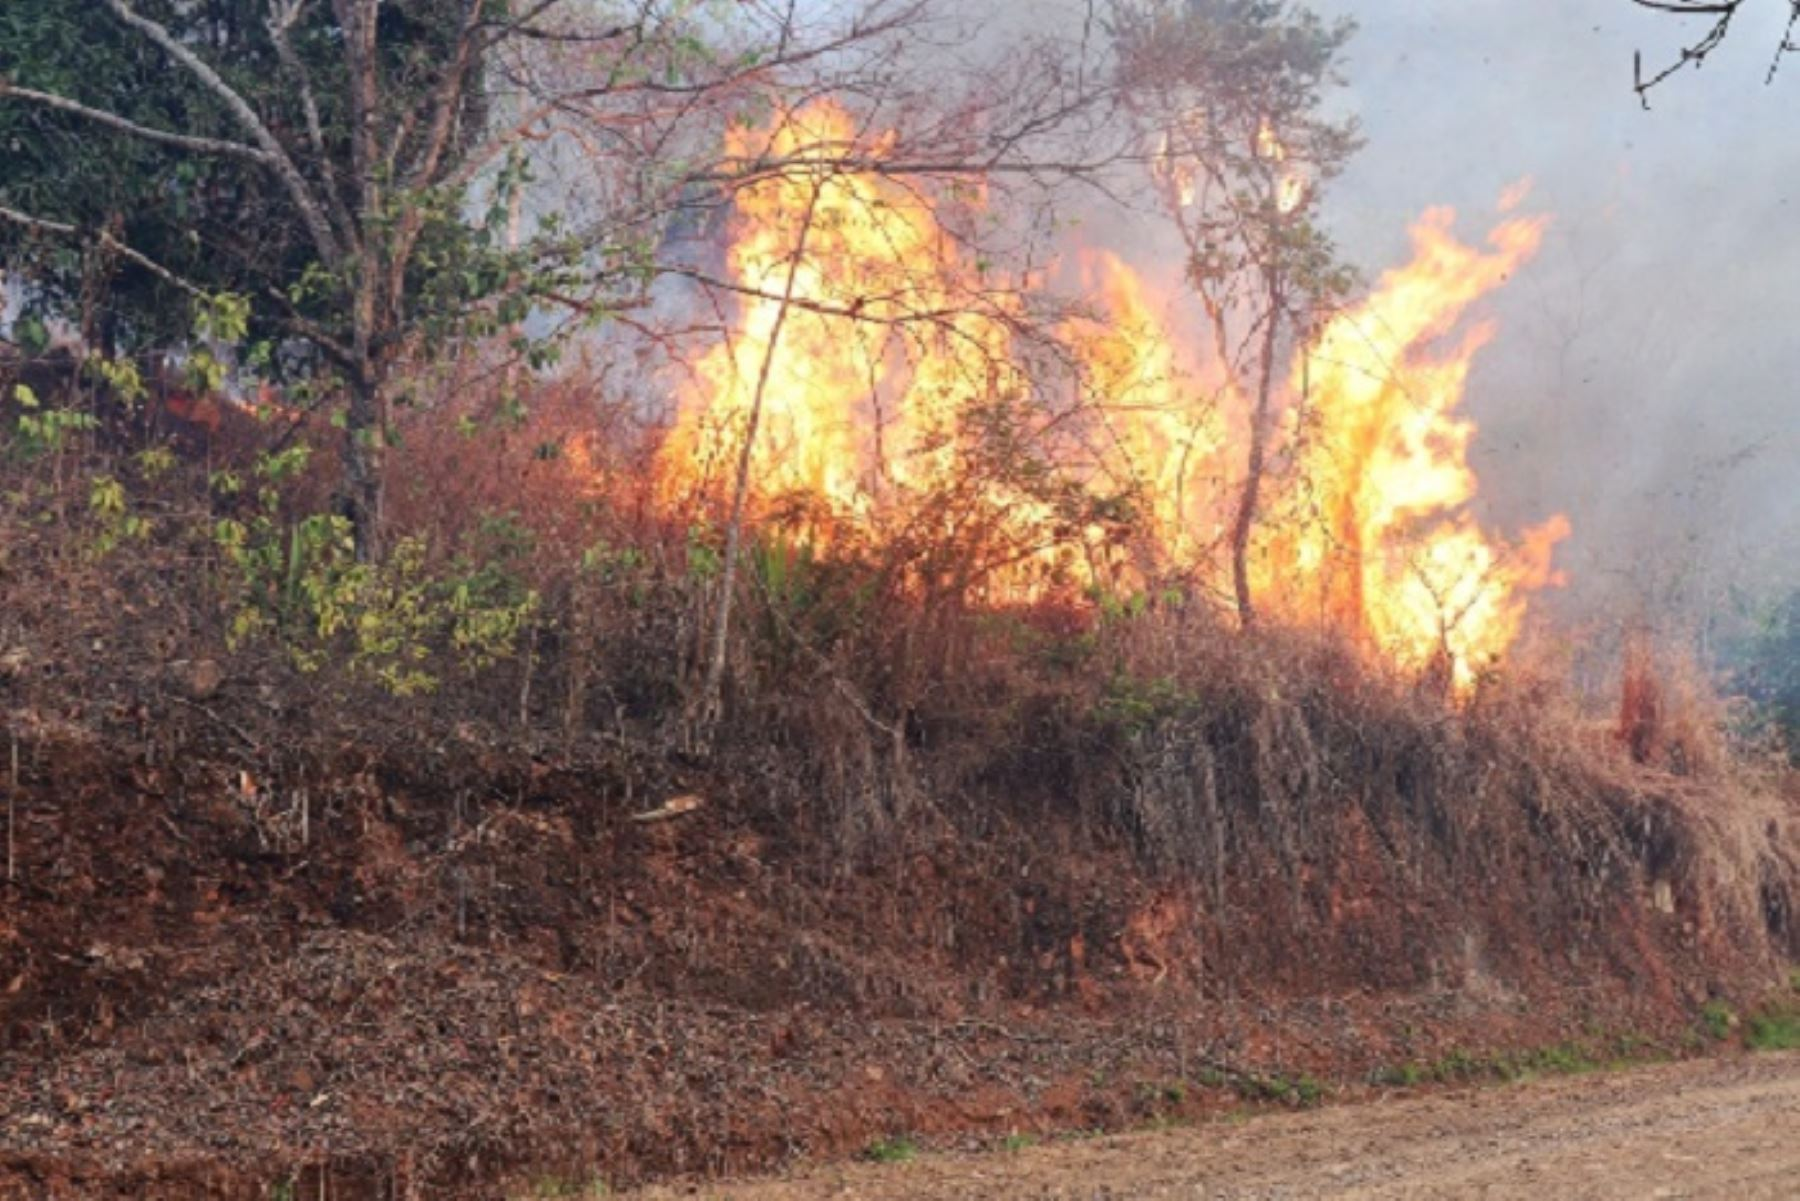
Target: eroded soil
(1715, 1128)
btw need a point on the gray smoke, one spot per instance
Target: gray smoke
(1644, 376)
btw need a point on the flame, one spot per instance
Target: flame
(1162, 437)
(1290, 187)
(883, 345)
(865, 410)
(1389, 549)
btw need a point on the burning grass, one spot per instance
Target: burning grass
(890, 389)
(989, 740)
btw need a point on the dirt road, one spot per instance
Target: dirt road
(1721, 1128)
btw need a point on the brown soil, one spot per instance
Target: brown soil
(435, 971)
(1728, 1129)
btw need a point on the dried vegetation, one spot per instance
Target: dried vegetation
(940, 866)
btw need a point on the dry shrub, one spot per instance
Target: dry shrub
(1670, 713)
(876, 706)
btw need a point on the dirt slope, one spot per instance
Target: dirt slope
(1720, 1128)
(379, 972)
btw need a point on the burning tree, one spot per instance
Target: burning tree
(873, 390)
(390, 184)
(1230, 96)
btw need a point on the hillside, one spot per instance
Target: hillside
(438, 958)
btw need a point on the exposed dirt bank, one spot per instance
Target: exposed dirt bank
(233, 966)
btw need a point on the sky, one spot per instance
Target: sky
(1643, 378)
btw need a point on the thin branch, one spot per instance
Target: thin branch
(734, 531)
(282, 16)
(1723, 13)
(63, 230)
(164, 137)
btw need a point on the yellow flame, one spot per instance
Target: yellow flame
(1369, 530)
(1160, 433)
(1388, 548)
(880, 349)
(1290, 187)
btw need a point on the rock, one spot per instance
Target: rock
(204, 678)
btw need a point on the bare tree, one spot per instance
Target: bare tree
(1229, 96)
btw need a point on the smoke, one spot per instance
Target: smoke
(1642, 380)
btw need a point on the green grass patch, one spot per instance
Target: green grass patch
(564, 1188)
(1460, 1066)
(1301, 1091)
(898, 1149)
(1774, 1030)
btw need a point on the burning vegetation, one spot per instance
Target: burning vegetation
(712, 512)
(873, 364)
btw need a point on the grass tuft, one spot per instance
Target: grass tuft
(898, 1149)
(1774, 1030)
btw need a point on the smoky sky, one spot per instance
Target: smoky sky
(1643, 378)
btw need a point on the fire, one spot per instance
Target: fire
(1290, 188)
(882, 345)
(1388, 548)
(893, 343)
(1161, 431)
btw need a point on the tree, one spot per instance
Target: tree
(1229, 94)
(349, 167)
(1765, 663)
(315, 159)
(1719, 15)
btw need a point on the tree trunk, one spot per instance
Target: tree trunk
(713, 688)
(364, 454)
(1250, 498)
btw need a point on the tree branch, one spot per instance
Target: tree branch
(316, 224)
(64, 230)
(282, 16)
(1723, 13)
(164, 137)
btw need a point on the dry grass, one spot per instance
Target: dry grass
(867, 717)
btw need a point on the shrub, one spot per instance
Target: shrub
(898, 1149)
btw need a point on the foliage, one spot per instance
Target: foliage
(1232, 93)
(898, 1149)
(1718, 1019)
(297, 580)
(1765, 663)
(325, 178)
(38, 430)
(1135, 705)
(1774, 1030)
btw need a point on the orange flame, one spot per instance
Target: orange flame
(881, 344)
(1161, 436)
(1388, 548)
(865, 402)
